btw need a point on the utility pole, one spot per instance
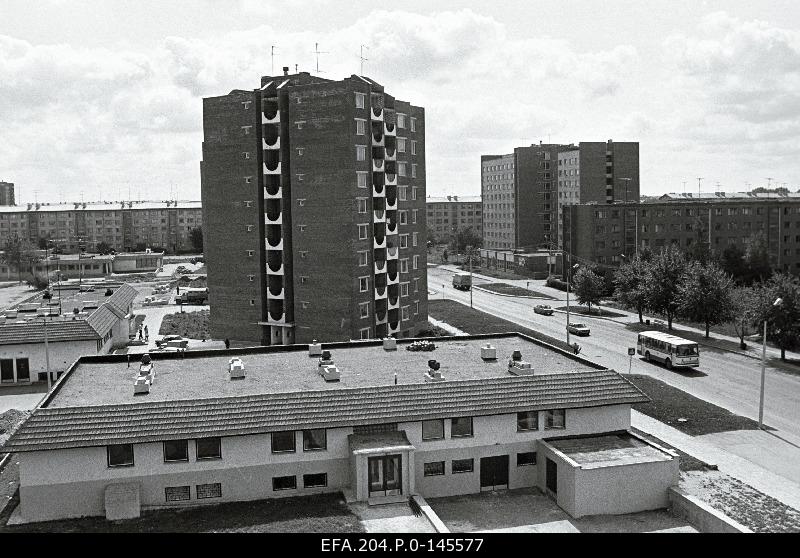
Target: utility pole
(318, 52)
(47, 354)
(769, 184)
(362, 58)
(272, 60)
(469, 255)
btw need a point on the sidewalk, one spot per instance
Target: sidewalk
(778, 487)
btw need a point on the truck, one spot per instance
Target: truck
(462, 281)
(190, 295)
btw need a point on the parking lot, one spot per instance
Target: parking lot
(527, 510)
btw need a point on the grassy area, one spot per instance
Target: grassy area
(496, 273)
(192, 325)
(720, 329)
(669, 404)
(595, 311)
(474, 321)
(433, 331)
(513, 290)
(323, 513)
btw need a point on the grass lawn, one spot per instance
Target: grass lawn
(583, 311)
(474, 321)
(497, 273)
(321, 513)
(192, 325)
(670, 404)
(513, 290)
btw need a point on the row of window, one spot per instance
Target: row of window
(437, 468)
(461, 427)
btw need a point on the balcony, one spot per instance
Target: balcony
(381, 318)
(275, 271)
(273, 219)
(394, 327)
(276, 170)
(392, 278)
(271, 147)
(389, 129)
(380, 267)
(273, 246)
(276, 196)
(275, 118)
(380, 216)
(394, 303)
(391, 179)
(391, 203)
(391, 228)
(377, 140)
(380, 292)
(276, 311)
(377, 165)
(376, 244)
(390, 155)
(378, 191)
(391, 253)
(377, 114)
(275, 288)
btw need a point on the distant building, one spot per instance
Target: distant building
(446, 215)
(524, 192)
(123, 226)
(314, 211)
(208, 430)
(7, 193)
(76, 266)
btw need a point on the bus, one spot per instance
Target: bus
(672, 350)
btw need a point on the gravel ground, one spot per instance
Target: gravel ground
(741, 502)
(9, 422)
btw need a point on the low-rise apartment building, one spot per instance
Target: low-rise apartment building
(448, 215)
(395, 424)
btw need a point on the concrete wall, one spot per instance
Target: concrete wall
(702, 516)
(62, 355)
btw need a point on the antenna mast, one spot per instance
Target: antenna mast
(318, 52)
(272, 59)
(362, 58)
(699, 178)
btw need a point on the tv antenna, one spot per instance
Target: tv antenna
(317, 51)
(272, 59)
(699, 178)
(362, 58)
(684, 186)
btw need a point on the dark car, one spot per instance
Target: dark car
(578, 329)
(543, 309)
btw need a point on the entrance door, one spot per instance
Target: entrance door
(23, 370)
(385, 476)
(494, 472)
(551, 476)
(6, 370)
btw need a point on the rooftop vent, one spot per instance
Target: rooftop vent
(329, 372)
(236, 368)
(325, 359)
(488, 352)
(390, 344)
(519, 367)
(147, 375)
(433, 374)
(315, 349)
(286, 70)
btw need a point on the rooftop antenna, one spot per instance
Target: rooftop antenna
(295, 69)
(699, 178)
(718, 187)
(36, 196)
(362, 58)
(317, 51)
(272, 59)
(684, 187)
(769, 183)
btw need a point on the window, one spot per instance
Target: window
(120, 455)
(413, 171)
(246, 130)
(315, 480)
(362, 232)
(526, 458)
(362, 205)
(364, 333)
(401, 120)
(363, 310)
(401, 145)
(415, 262)
(402, 193)
(413, 188)
(463, 465)
(363, 284)
(248, 179)
(413, 147)
(283, 442)
(362, 179)
(176, 450)
(403, 217)
(363, 258)
(555, 419)
(413, 124)
(213, 490)
(250, 253)
(284, 483)
(401, 169)
(403, 241)
(361, 152)
(404, 313)
(527, 420)
(414, 239)
(177, 493)
(360, 97)
(460, 427)
(404, 265)
(433, 429)
(315, 439)
(208, 448)
(251, 278)
(403, 289)
(246, 154)
(360, 127)
(434, 469)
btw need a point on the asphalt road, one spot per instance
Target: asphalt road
(723, 378)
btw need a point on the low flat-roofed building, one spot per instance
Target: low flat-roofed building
(389, 427)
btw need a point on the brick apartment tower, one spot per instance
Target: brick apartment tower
(313, 196)
(7, 193)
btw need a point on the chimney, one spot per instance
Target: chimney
(315, 349)
(286, 70)
(326, 359)
(433, 374)
(518, 367)
(488, 352)
(329, 372)
(147, 375)
(236, 368)
(449, 198)
(455, 198)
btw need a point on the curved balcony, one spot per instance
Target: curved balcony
(377, 114)
(276, 196)
(381, 244)
(278, 271)
(273, 117)
(390, 167)
(391, 253)
(380, 292)
(379, 233)
(276, 170)
(275, 295)
(392, 278)
(394, 302)
(273, 211)
(391, 229)
(381, 330)
(378, 191)
(394, 327)
(380, 216)
(276, 221)
(390, 154)
(377, 165)
(275, 311)
(391, 179)
(391, 203)
(380, 267)
(273, 246)
(271, 146)
(389, 128)
(377, 140)
(381, 318)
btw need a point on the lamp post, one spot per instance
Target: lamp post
(569, 273)
(778, 302)
(47, 354)
(469, 255)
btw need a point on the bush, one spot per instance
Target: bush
(557, 284)
(38, 283)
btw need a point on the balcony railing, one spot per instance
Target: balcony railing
(389, 128)
(377, 113)
(381, 244)
(380, 216)
(276, 145)
(380, 267)
(391, 179)
(275, 220)
(276, 196)
(276, 118)
(273, 246)
(377, 165)
(276, 170)
(380, 292)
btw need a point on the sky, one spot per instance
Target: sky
(103, 99)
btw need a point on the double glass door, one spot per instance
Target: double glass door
(385, 476)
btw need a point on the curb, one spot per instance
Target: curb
(437, 524)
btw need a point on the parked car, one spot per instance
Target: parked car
(164, 341)
(578, 329)
(154, 301)
(543, 309)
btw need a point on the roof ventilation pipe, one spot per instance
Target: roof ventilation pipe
(433, 374)
(519, 367)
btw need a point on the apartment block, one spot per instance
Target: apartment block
(313, 197)
(447, 215)
(603, 233)
(125, 226)
(7, 193)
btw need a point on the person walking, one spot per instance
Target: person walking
(140, 333)
(146, 334)
(227, 343)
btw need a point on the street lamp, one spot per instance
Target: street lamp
(469, 255)
(778, 302)
(569, 273)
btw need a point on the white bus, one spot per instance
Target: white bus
(669, 349)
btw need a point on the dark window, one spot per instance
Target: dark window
(434, 469)
(284, 483)
(7, 370)
(176, 450)
(177, 493)
(460, 427)
(433, 429)
(213, 490)
(283, 441)
(208, 448)
(315, 480)
(315, 439)
(463, 465)
(556, 419)
(120, 455)
(527, 420)
(526, 458)
(23, 369)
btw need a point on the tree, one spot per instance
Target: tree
(629, 280)
(18, 254)
(662, 280)
(196, 238)
(705, 294)
(756, 257)
(783, 320)
(588, 286)
(732, 261)
(445, 255)
(104, 248)
(466, 237)
(744, 311)
(432, 238)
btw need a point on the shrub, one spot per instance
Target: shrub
(557, 284)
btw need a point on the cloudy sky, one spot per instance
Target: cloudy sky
(101, 97)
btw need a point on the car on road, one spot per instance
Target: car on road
(164, 341)
(543, 309)
(578, 329)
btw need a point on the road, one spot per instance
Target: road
(726, 379)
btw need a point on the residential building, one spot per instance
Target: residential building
(524, 193)
(124, 226)
(36, 336)
(7, 193)
(389, 428)
(447, 215)
(314, 211)
(83, 266)
(603, 233)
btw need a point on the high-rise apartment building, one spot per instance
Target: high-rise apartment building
(524, 192)
(7, 193)
(314, 211)
(448, 215)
